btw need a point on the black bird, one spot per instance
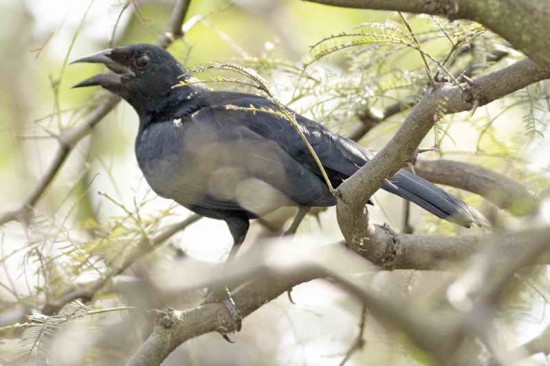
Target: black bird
(194, 147)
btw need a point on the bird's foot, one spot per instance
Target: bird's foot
(217, 295)
(231, 306)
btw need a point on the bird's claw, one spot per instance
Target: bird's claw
(213, 296)
(289, 294)
(236, 316)
(226, 337)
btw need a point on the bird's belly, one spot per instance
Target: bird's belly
(167, 164)
(160, 176)
(214, 184)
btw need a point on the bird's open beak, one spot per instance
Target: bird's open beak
(108, 79)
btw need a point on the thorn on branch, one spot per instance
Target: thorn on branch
(412, 162)
(389, 182)
(468, 94)
(467, 79)
(410, 165)
(300, 215)
(233, 310)
(439, 78)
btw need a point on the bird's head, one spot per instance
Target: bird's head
(140, 73)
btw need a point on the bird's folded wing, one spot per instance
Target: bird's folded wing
(235, 166)
(339, 155)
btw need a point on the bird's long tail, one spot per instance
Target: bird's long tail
(433, 199)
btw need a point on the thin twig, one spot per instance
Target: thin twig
(415, 40)
(145, 246)
(359, 341)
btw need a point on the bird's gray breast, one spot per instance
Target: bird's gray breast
(188, 162)
(161, 157)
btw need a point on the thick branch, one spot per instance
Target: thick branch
(173, 328)
(441, 7)
(445, 98)
(269, 271)
(524, 23)
(497, 188)
(278, 270)
(392, 250)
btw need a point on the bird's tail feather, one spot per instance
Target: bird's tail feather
(434, 199)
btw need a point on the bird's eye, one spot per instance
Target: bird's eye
(142, 61)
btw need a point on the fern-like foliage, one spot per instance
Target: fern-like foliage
(39, 331)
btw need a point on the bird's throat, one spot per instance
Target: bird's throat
(175, 103)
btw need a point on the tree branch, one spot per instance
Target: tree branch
(497, 188)
(480, 290)
(359, 341)
(445, 98)
(369, 119)
(521, 22)
(173, 328)
(392, 250)
(286, 268)
(270, 270)
(67, 141)
(539, 344)
(174, 29)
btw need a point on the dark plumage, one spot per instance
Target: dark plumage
(235, 165)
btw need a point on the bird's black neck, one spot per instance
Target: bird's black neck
(167, 106)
